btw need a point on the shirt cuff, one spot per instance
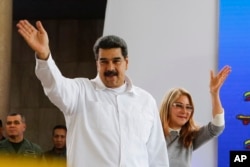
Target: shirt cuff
(219, 119)
(43, 63)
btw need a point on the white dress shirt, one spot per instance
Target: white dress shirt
(106, 127)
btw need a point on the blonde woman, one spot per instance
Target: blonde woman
(181, 133)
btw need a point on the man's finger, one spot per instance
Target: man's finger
(40, 27)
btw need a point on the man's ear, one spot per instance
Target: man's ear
(24, 126)
(126, 59)
(97, 66)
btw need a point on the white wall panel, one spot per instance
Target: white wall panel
(171, 43)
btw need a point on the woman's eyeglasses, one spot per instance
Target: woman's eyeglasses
(181, 106)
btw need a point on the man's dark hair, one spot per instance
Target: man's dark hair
(109, 42)
(15, 113)
(59, 127)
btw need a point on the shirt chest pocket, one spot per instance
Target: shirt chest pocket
(100, 115)
(139, 123)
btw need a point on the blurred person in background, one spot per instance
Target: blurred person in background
(15, 143)
(58, 152)
(1, 131)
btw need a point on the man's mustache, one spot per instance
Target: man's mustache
(110, 73)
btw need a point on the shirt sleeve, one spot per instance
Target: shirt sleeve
(219, 119)
(60, 90)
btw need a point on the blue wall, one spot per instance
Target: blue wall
(234, 49)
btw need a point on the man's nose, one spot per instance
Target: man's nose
(111, 66)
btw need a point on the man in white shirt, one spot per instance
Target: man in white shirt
(110, 122)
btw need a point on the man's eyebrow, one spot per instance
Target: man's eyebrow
(103, 58)
(115, 58)
(14, 121)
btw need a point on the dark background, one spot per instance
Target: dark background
(73, 27)
(59, 9)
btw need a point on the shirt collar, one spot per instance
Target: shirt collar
(176, 130)
(99, 85)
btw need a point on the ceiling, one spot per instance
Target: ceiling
(59, 9)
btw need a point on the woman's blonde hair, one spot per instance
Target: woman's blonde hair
(189, 130)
